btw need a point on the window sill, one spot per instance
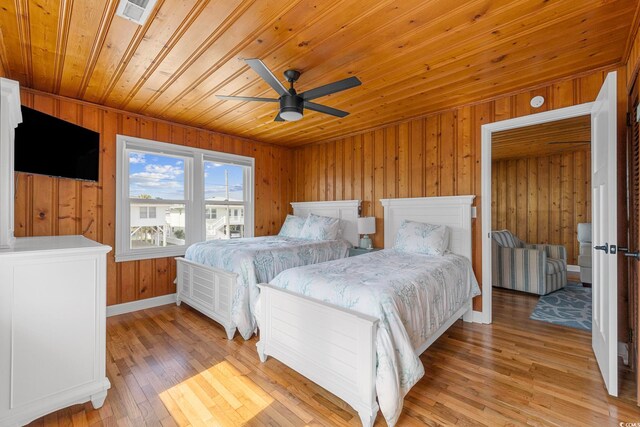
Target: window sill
(151, 254)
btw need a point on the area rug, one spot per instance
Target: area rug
(569, 306)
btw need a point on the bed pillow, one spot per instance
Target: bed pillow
(422, 238)
(292, 226)
(320, 228)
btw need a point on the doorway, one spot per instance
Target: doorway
(541, 200)
(488, 132)
(604, 141)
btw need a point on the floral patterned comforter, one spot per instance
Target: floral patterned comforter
(258, 260)
(412, 295)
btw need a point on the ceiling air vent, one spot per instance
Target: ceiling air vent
(135, 10)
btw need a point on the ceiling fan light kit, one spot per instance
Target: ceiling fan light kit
(292, 104)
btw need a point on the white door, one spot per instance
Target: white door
(605, 274)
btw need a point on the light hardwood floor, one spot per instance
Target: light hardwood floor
(172, 366)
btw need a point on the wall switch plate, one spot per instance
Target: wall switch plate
(474, 212)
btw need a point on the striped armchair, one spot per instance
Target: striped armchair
(538, 269)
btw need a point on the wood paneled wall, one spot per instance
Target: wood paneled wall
(52, 206)
(437, 155)
(542, 199)
(633, 61)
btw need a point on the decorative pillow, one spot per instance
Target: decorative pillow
(422, 238)
(292, 226)
(320, 228)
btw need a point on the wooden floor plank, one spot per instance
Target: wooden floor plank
(170, 366)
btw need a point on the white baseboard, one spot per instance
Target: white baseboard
(573, 268)
(128, 307)
(623, 351)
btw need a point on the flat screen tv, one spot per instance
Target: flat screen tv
(47, 145)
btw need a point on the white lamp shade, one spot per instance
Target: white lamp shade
(367, 225)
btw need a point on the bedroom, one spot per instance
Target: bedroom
(431, 75)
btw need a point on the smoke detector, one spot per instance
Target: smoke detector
(135, 10)
(537, 101)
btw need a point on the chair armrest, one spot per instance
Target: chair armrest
(552, 251)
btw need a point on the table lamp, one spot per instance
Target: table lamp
(366, 226)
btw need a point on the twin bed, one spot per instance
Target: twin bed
(356, 326)
(219, 278)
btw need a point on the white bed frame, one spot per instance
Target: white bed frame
(335, 347)
(210, 290)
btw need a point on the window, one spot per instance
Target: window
(212, 213)
(171, 196)
(223, 190)
(147, 212)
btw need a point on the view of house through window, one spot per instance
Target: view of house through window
(224, 200)
(170, 196)
(157, 200)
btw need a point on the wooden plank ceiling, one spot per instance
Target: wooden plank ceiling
(542, 140)
(413, 57)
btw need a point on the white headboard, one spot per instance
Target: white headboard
(346, 210)
(452, 211)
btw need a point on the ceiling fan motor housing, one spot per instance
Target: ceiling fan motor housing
(291, 103)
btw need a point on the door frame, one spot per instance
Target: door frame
(486, 132)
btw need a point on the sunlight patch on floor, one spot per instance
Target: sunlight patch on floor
(220, 395)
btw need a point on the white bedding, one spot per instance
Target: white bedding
(258, 260)
(411, 294)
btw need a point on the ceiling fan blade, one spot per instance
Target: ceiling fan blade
(324, 109)
(331, 88)
(278, 118)
(246, 98)
(266, 74)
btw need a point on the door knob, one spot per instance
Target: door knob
(604, 248)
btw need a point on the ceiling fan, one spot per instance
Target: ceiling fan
(292, 104)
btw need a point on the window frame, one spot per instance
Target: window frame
(194, 201)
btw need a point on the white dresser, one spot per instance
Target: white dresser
(52, 326)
